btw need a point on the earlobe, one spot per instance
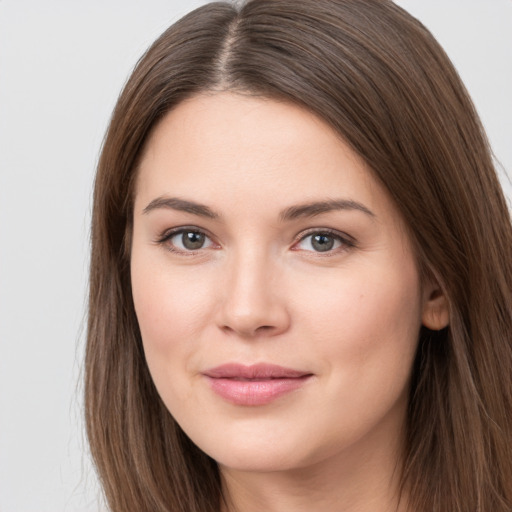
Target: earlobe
(436, 315)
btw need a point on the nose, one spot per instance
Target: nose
(253, 302)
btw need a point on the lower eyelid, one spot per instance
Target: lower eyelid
(165, 240)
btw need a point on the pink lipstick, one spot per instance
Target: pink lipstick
(257, 384)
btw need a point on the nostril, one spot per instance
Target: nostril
(248, 331)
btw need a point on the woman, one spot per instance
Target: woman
(300, 293)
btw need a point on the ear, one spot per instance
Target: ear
(436, 313)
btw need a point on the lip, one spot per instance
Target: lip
(253, 385)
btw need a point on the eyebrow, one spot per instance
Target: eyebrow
(174, 203)
(319, 207)
(293, 212)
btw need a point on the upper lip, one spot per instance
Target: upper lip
(255, 372)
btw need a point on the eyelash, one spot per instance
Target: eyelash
(169, 234)
(346, 241)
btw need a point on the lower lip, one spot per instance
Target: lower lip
(255, 392)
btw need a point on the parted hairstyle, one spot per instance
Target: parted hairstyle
(381, 81)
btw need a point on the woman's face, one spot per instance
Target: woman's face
(275, 287)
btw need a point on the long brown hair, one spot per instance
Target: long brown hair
(379, 78)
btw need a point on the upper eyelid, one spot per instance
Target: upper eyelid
(169, 233)
(326, 231)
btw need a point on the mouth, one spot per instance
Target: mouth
(258, 384)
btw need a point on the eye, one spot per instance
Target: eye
(323, 241)
(186, 240)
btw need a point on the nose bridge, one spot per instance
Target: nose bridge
(254, 303)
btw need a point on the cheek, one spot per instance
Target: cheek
(367, 325)
(365, 332)
(172, 308)
(169, 305)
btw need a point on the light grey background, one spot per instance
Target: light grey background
(62, 65)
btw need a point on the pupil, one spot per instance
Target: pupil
(192, 240)
(322, 243)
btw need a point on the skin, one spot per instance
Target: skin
(259, 291)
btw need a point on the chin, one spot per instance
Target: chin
(266, 453)
(258, 461)
(254, 452)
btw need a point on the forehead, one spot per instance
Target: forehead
(225, 145)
